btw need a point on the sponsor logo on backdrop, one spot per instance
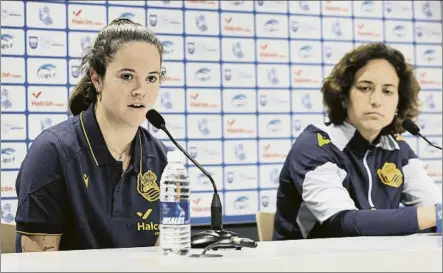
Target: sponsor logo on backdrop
(6, 190)
(8, 155)
(430, 103)
(301, 78)
(203, 180)
(424, 79)
(433, 170)
(304, 5)
(241, 203)
(75, 71)
(153, 20)
(6, 41)
(397, 7)
(203, 126)
(203, 74)
(362, 31)
(45, 123)
(239, 100)
(297, 26)
(7, 213)
(426, 9)
(305, 51)
(168, 47)
(268, 152)
(428, 31)
(272, 25)
(306, 101)
(194, 151)
(7, 13)
(429, 55)
(336, 28)
(166, 101)
(191, 47)
(274, 126)
(200, 104)
(274, 175)
(273, 76)
(10, 127)
(367, 6)
(239, 152)
(204, 49)
(328, 51)
(77, 19)
(234, 129)
(237, 50)
(37, 101)
(230, 25)
(335, 6)
(272, 101)
(269, 50)
(399, 31)
(44, 14)
(237, 3)
(85, 42)
(11, 75)
(231, 176)
(5, 100)
(127, 15)
(198, 206)
(200, 22)
(46, 71)
(45, 42)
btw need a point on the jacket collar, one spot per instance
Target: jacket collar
(346, 134)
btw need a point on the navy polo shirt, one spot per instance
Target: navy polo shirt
(70, 184)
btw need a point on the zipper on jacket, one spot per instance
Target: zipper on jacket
(365, 162)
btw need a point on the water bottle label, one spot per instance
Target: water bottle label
(175, 213)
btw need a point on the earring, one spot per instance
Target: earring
(343, 104)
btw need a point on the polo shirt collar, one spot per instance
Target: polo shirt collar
(97, 145)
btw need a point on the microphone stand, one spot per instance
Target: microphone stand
(216, 206)
(430, 143)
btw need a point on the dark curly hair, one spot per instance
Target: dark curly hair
(337, 85)
(109, 40)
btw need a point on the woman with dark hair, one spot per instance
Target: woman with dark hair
(355, 175)
(92, 181)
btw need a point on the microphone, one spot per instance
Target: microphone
(204, 238)
(413, 129)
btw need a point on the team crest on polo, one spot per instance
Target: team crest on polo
(390, 175)
(147, 186)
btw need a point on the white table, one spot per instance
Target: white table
(403, 253)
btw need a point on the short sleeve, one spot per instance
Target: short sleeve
(41, 188)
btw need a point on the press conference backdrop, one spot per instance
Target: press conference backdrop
(243, 80)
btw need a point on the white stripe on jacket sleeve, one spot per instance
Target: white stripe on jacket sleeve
(323, 191)
(419, 188)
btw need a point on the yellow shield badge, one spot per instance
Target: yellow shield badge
(390, 175)
(147, 186)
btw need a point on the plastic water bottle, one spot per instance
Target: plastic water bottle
(175, 225)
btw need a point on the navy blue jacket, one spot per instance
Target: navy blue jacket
(70, 184)
(334, 183)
